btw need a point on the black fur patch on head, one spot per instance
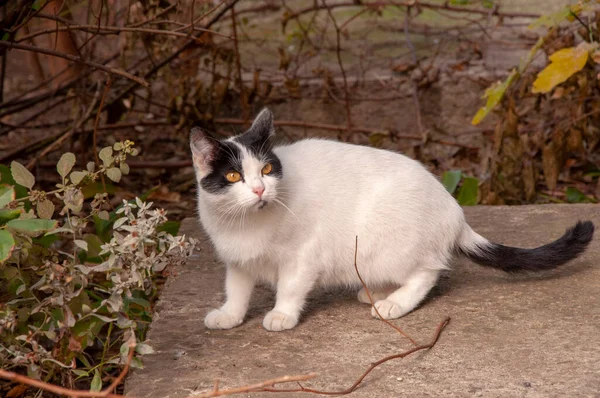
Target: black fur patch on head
(227, 158)
(258, 140)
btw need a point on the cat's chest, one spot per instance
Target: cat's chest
(245, 246)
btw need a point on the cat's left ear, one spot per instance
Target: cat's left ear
(262, 129)
(204, 148)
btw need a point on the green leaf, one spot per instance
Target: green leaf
(65, 164)
(5, 36)
(80, 372)
(450, 180)
(7, 244)
(106, 155)
(143, 349)
(46, 240)
(124, 167)
(7, 195)
(96, 382)
(37, 4)
(77, 176)
(114, 174)
(32, 227)
(94, 243)
(81, 244)
(494, 95)
(467, 195)
(45, 209)
(170, 227)
(6, 215)
(21, 175)
(6, 178)
(574, 195)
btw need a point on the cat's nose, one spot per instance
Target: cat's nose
(258, 191)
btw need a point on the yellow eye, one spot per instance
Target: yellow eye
(233, 176)
(267, 169)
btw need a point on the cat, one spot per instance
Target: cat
(288, 216)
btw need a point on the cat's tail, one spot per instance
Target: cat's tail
(513, 259)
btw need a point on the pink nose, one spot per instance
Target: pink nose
(258, 191)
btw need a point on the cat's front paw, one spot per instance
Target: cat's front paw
(363, 297)
(388, 310)
(276, 321)
(218, 319)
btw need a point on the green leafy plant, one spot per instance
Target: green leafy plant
(76, 279)
(468, 192)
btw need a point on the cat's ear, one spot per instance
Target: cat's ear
(204, 148)
(262, 129)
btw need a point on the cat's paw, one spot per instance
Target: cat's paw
(218, 319)
(388, 310)
(276, 321)
(376, 296)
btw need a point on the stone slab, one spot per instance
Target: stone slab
(510, 336)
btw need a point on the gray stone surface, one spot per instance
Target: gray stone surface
(510, 336)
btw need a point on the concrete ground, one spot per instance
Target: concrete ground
(510, 336)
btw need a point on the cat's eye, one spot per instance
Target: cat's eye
(267, 169)
(233, 176)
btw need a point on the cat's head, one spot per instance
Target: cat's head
(239, 173)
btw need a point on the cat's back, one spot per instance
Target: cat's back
(325, 154)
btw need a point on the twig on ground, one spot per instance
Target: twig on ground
(402, 332)
(253, 387)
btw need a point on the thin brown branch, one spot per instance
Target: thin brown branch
(155, 17)
(238, 66)
(338, 50)
(402, 332)
(415, 89)
(73, 58)
(69, 133)
(137, 164)
(334, 127)
(253, 387)
(434, 6)
(354, 386)
(106, 393)
(104, 29)
(96, 122)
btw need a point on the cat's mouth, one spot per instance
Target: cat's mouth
(260, 204)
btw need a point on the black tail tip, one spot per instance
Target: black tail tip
(582, 232)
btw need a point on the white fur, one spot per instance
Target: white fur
(407, 227)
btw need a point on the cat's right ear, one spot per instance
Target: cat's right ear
(204, 148)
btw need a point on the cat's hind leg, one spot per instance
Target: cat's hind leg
(407, 298)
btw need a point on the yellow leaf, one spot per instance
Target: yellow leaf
(563, 64)
(494, 95)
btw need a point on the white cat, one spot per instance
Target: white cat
(289, 215)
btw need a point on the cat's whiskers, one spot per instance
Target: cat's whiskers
(288, 209)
